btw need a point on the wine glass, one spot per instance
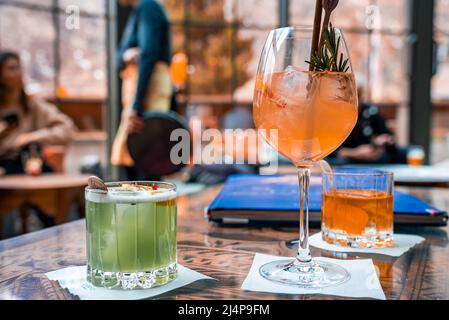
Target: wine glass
(305, 113)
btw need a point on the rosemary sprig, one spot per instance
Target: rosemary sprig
(327, 58)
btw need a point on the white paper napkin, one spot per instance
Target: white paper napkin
(402, 243)
(74, 280)
(363, 283)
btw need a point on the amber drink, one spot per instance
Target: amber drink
(358, 208)
(415, 156)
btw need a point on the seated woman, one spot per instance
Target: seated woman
(24, 120)
(370, 142)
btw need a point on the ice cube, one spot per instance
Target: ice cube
(338, 86)
(294, 82)
(289, 86)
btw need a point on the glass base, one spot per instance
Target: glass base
(380, 240)
(313, 275)
(132, 280)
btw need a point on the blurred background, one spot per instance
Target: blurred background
(400, 53)
(220, 41)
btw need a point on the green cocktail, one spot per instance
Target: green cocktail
(131, 235)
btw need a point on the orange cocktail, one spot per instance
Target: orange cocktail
(305, 106)
(313, 112)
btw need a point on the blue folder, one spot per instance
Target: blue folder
(257, 198)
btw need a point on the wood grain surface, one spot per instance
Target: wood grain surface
(225, 253)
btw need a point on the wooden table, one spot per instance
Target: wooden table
(225, 253)
(54, 194)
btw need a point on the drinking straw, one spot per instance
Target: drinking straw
(316, 29)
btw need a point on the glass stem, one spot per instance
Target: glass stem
(303, 245)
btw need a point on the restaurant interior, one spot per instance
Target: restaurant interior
(77, 67)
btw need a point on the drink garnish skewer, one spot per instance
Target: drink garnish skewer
(316, 30)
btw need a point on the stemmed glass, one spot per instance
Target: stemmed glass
(305, 115)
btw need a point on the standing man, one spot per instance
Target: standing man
(144, 60)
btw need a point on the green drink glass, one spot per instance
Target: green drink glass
(131, 235)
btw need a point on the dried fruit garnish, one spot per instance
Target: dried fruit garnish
(136, 187)
(96, 183)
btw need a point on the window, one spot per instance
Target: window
(440, 84)
(19, 32)
(441, 80)
(82, 53)
(210, 60)
(375, 31)
(223, 40)
(59, 61)
(43, 3)
(95, 7)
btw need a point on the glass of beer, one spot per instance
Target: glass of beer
(415, 156)
(131, 235)
(357, 208)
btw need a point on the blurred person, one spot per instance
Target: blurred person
(143, 58)
(204, 114)
(237, 118)
(370, 142)
(26, 123)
